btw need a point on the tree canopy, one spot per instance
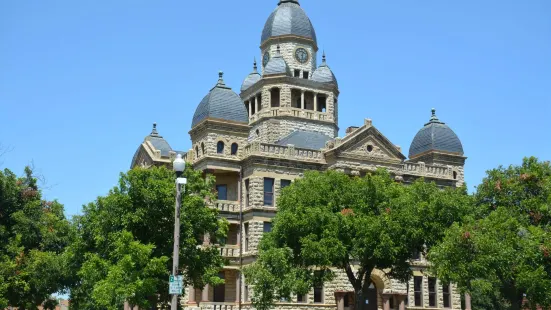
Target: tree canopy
(123, 249)
(33, 236)
(503, 251)
(328, 221)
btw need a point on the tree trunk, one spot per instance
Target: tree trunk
(359, 299)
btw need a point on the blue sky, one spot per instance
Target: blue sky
(81, 82)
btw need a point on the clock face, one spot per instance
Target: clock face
(301, 55)
(265, 59)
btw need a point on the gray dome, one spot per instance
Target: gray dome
(251, 79)
(277, 65)
(435, 136)
(221, 103)
(288, 19)
(323, 74)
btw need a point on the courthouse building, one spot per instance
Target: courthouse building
(283, 122)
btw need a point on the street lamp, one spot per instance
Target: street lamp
(178, 165)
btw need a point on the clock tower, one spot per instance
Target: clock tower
(292, 94)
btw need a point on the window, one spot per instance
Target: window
(285, 183)
(259, 103)
(220, 147)
(220, 290)
(318, 293)
(203, 148)
(432, 292)
(346, 301)
(391, 302)
(234, 148)
(418, 291)
(301, 298)
(267, 227)
(322, 103)
(222, 190)
(247, 193)
(274, 97)
(246, 237)
(455, 175)
(197, 151)
(253, 106)
(268, 192)
(297, 73)
(305, 74)
(446, 296)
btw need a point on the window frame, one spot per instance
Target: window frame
(446, 296)
(269, 193)
(282, 181)
(267, 224)
(220, 146)
(433, 294)
(235, 151)
(418, 291)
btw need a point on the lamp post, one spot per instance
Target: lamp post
(178, 165)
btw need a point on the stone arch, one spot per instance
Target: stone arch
(380, 279)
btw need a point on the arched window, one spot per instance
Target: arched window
(455, 175)
(234, 148)
(197, 152)
(203, 148)
(220, 147)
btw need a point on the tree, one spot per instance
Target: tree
(504, 250)
(123, 252)
(328, 221)
(33, 236)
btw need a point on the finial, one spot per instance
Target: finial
(286, 1)
(433, 112)
(220, 79)
(154, 130)
(434, 118)
(255, 67)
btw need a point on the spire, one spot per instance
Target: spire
(255, 68)
(323, 60)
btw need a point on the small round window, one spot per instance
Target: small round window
(370, 148)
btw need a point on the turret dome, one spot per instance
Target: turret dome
(251, 79)
(277, 65)
(435, 136)
(221, 103)
(288, 19)
(323, 74)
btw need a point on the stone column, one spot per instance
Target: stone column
(386, 302)
(468, 302)
(402, 302)
(255, 105)
(250, 108)
(191, 298)
(237, 286)
(205, 294)
(302, 99)
(315, 102)
(340, 301)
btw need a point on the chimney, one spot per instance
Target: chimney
(351, 129)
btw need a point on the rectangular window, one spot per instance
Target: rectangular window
(297, 73)
(246, 237)
(391, 302)
(268, 191)
(267, 227)
(418, 291)
(432, 292)
(318, 294)
(446, 296)
(222, 191)
(305, 74)
(301, 298)
(285, 183)
(346, 301)
(220, 290)
(247, 193)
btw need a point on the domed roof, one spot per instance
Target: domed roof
(277, 65)
(221, 103)
(435, 136)
(288, 19)
(251, 79)
(323, 74)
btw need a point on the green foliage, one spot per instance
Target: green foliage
(503, 252)
(123, 251)
(330, 220)
(33, 235)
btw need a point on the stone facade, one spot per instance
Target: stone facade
(255, 171)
